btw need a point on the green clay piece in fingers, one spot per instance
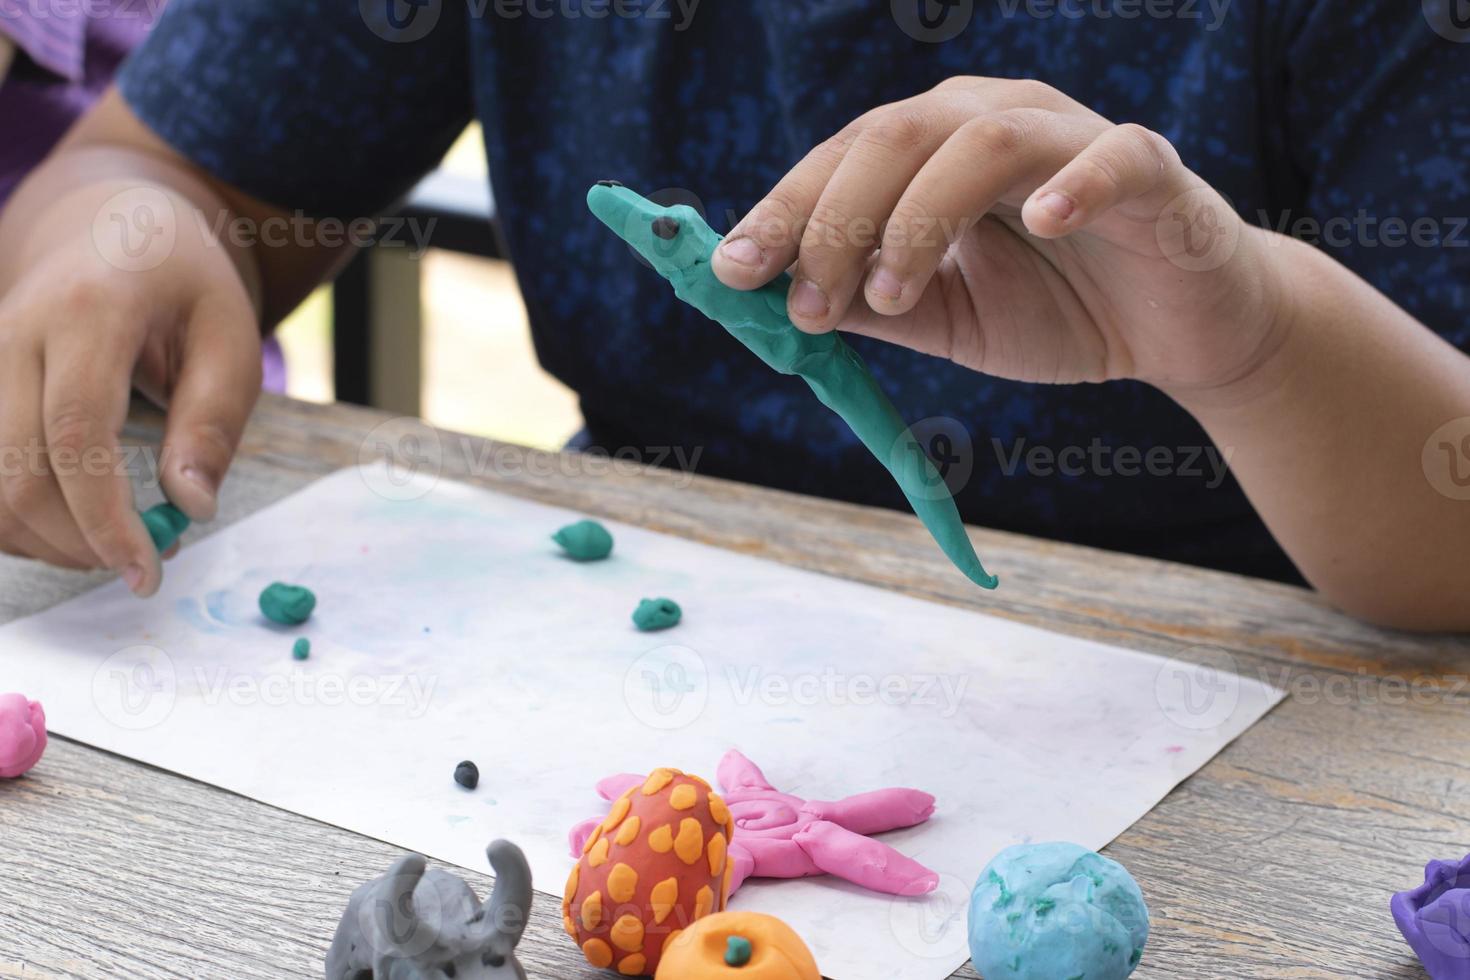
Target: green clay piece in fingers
(678, 243)
(289, 605)
(165, 523)
(657, 614)
(585, 541)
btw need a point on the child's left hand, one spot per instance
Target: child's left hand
(1082, 250)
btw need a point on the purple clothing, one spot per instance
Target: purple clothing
(66, 54)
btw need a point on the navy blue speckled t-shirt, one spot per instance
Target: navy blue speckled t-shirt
(1335, 121)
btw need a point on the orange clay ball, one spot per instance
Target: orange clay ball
(656, 865)
(738, 946)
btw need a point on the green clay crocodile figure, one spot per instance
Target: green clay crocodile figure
(678, 244)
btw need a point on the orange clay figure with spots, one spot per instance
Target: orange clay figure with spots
(778, 835)
(653, 866)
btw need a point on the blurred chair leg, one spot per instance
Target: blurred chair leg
(378, 331)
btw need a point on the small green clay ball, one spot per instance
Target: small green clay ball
(737, 951)
(289, 605)
(656, 614)
(301, 649)
(165, 523)
(585, 541)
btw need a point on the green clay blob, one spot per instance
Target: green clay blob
(678, 244)
(301, 649)
(585, 541)
(289, 605)
(657, 614)
(737, 951)
(165, 523)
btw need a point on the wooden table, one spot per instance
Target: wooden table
(1277, 860)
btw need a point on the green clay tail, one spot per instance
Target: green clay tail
(678, 244)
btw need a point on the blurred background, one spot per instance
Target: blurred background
(478, 372)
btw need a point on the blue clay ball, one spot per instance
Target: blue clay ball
(1054, 911)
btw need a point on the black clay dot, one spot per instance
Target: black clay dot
(492, 959)
(665, 228)
(608, 183)
(467, 774)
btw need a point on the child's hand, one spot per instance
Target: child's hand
(1082, 251)
(80, 326)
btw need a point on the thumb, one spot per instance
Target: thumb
(217, 386)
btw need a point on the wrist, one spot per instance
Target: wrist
(1278, 276)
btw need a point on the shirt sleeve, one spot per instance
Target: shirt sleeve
(315, 106)
(1377, 123)
(54, 40)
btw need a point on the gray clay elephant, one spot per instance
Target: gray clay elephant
(420, 923)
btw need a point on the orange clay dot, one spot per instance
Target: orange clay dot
(572, 881)
(598, 953)
(628, 832)
(598, 855)
(718, 811)
(633, 966)
(593, 838)
(663, 898)
(690, 843)
(617, 813)
(684, 797)
(627, 934)
(661, 841)
(592, 911)
(622, 882)
(568, 925)
(725, 884)
(657, 780)
(704, 901)
(716, 853)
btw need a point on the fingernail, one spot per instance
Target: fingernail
(133, 576)
(886, 285)
(742, 251)
(808, 301)
(199, 479)
(1059, 206)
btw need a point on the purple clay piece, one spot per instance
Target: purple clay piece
(1435, 919)
(417, 922)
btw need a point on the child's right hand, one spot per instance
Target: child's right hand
(111, 286)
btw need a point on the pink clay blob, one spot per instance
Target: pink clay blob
(22, 735)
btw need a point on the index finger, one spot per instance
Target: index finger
(84, 405)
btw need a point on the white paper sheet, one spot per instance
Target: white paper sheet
(450, 628)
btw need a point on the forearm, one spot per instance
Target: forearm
(106, 200)
(1329, 438)
(278, 257)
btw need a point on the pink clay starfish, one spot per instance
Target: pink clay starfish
(782, 836)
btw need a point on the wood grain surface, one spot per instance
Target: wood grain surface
(1277, 860)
